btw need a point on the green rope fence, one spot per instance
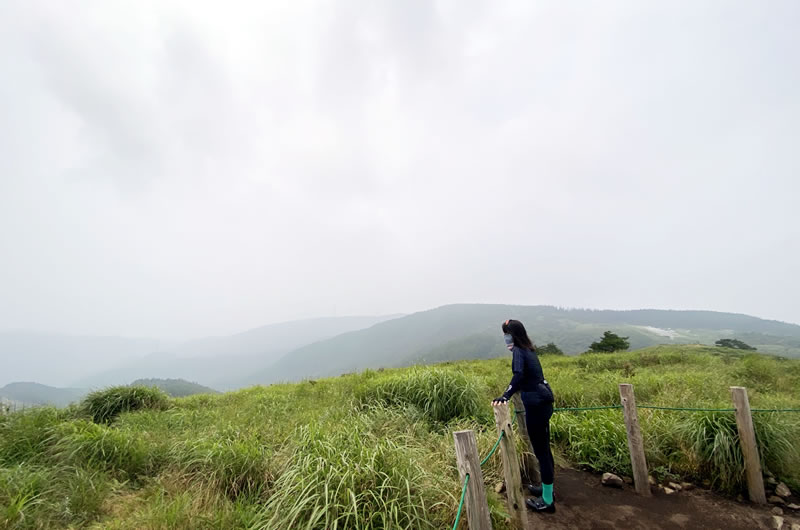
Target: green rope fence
(683, 409)
(571, 409)
(687, 409)
(654, 407)
(496, 444)
(461, 502)
(581, 409)
(485, 459)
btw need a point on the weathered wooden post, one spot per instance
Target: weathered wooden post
(523, 432)
(508, 451)
(469, 463)
(747, 440)
(635, 441)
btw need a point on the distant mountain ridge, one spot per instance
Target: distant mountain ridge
(176, 387)
(464, 331)
(678, 318)
(295, 350)
(28, 393)
(221, 362)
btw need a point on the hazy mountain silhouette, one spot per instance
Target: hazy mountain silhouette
(222, 362)
(466, 331)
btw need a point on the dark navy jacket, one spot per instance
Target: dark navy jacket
(528, 378)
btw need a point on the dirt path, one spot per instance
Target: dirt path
(583, 503)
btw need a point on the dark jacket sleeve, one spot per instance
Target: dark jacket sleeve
(517, 367)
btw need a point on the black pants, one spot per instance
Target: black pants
(538, 418)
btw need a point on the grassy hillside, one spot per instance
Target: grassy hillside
(471, 331)
(176, 387)
(373, 450)
(36, 394)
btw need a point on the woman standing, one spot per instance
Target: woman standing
(537, 396)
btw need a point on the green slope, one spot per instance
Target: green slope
(472, 331)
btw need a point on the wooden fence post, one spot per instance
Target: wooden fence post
(508, 451)
(535, 476)
(469, 462)
(635, 441)
(747, 440)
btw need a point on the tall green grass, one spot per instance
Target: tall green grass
(356, 478)
(441, 395)
(21, 489)
(595, 439)
(238, 466)
(173, 504)
(125, 455)
(25, 436)
(103, 406)
(372, 450)
(43, 497)
(690, 445)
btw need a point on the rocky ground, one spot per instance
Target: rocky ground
(583, 502)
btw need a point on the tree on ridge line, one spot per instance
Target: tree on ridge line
(610, 343)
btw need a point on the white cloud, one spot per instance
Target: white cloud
(183, 169)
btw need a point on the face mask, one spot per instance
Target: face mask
(509, 341)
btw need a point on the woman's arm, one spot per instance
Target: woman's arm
(517, 366)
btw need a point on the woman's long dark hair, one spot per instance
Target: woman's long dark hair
(518, 333)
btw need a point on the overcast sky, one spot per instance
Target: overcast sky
(179, 169)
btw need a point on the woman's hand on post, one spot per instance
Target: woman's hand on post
(502, 400)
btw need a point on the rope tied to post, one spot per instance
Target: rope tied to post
(461, 502)
(494, 449)
(575, 409)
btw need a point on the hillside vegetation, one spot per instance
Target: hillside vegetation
(374, 449)
(470, 331)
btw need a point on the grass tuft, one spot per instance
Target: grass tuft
(351, 478)
(103, 406)
(99, 447)
(442, 395)
(25, 436)
(235, 467)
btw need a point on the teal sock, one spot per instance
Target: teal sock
(547, 493)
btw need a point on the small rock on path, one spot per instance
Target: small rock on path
(782, 490)
(612, 480)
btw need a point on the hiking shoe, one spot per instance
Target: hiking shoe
(538, 505)
(536, 491)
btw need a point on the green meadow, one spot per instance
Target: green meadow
(373, 450)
